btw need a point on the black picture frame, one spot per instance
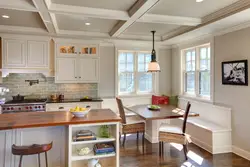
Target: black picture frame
(235, 72)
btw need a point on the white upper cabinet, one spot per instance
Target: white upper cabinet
(77, 63)
(14, 52)
(66, 70)
(24, 53)
(37, 54)
(89, 69)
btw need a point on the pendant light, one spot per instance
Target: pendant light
(153, 66)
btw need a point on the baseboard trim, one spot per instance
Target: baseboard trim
(243, 153)
(201, 144)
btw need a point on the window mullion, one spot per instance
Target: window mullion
(136, 72)
(197, 72)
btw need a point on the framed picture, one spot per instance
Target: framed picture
(235, 73)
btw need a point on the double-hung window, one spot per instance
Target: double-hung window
(132, 76)
(197, 75)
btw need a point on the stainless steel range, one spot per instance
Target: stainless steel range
(26, 105)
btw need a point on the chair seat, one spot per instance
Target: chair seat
(32, 149)
(170, 129)
(134, 120)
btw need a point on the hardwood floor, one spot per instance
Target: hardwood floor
(132, 156)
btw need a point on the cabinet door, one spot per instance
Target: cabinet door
(14, 52)
(66, 70)
(37, 54)
(89, 70)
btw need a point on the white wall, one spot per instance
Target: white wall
(107, 71)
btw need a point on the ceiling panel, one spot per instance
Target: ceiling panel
(77, 23)
(105, 4)
(21, 18)
(189, 8)
(146, 28)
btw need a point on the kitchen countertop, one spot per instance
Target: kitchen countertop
(45, 119)
(75, 100)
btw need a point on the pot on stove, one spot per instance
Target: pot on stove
(18, 97)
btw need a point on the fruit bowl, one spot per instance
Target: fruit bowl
(80, 113)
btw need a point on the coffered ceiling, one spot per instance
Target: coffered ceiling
(117, 19)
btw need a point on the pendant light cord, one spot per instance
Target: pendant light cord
(153, 54)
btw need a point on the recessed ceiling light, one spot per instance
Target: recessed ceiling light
(5, 16)
(87, 24)
(199, 0)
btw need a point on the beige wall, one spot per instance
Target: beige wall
(234, 46)
(107, 71)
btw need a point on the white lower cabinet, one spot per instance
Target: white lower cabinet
(29, 136)
(68, 106)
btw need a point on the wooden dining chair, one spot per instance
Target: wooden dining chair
(131, 124)
(173, 134)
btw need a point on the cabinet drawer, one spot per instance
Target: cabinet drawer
(68, 106)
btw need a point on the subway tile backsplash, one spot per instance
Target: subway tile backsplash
(47, 86)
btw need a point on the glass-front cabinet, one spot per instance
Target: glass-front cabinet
(80, 50)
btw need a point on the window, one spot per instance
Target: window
(196, 69)
(133, 78)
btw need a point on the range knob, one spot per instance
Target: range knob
(12, 108)
(8, 108)
(19, 108)
(26, 108)
(30, 107)
(39, 106)
(35, 106)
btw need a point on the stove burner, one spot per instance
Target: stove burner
(27, 105)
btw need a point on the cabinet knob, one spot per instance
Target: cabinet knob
(75, 77)
(61, 108)
(79, 52)
(75, 52)
(80, 77)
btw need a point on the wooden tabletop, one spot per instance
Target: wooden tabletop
(57, 118)
(166, 112)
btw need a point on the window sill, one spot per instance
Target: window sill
(136, 96)
(195, 98)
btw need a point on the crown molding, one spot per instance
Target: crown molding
(17, 5)
(20, 29)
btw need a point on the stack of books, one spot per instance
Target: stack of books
(104, 148)
(84, 135)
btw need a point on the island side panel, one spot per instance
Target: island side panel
(29, 136)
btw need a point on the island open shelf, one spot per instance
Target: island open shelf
(73, 146)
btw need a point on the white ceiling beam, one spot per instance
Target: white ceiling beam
(119, 15)
(43, 11)
(83, 33)
(88, 12)
(54, 22)
(17, 5)
(137, 10)
(165, 19)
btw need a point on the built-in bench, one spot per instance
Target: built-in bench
(212, 129)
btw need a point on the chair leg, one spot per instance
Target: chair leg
(143, 136)
(162, 148)
(46, 159)
(124, 139)
(185, 151)
(159, 148)
(137, 137)
(39, 162)
(20, 161)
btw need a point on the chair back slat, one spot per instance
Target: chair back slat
(121, 110)
(185, 117)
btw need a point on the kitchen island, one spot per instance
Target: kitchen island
(59, 127)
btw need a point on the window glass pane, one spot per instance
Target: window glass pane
(203, 53)
(148, 60)
(188, 56)
(130, 62)
(190, 82)
(141, 62)
(204, 81)
(208, 52)
(193, 60)
(126, 81)
(122, 58)
(145, 82)
(204, 64)
(188, 66)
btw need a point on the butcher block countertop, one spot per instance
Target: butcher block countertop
(56, 118)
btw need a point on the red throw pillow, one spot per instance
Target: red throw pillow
(160, 100)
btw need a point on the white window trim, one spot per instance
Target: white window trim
(134, 94)
(196, 95)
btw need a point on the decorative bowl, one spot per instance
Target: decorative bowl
(80, 113)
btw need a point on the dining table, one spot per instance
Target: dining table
(154, 118)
